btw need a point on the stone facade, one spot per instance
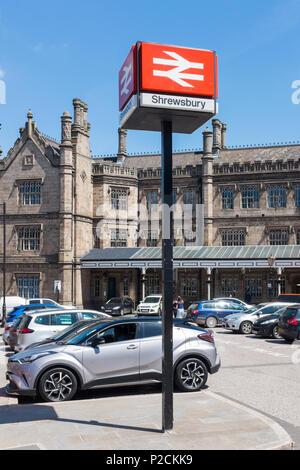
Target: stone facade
(61, 203)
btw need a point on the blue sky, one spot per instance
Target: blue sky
(51, 52)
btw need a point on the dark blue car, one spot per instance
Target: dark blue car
(211, 313)
(22, 309)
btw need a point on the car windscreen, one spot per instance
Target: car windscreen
(70, 329)
(82, 335)
(250, 311)
(113, 301)
(151, 300)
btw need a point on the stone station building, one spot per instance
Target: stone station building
(80, 219)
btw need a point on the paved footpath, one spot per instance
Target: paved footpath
(133, 422)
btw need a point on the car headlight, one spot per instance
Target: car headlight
(32, 357)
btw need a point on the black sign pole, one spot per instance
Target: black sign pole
(167, 275)
(4, 266)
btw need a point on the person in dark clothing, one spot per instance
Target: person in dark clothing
(248, 297)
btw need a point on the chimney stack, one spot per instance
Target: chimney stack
(223, 138)
(217, 135)
(207, 143)
(122, 152)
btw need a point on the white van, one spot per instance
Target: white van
(11, 303)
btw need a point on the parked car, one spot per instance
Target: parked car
(290, 298)
(9, 330)
(289, 324)
(11, 302)
(119, 352)
(23, 309)
(69, 331)
(50, 302)
(37, 326)
(211, 313)
(239, 302)
(267, 326)
(151, 305)
(243, 323)
(118, 306)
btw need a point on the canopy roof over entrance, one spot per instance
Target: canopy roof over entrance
(261, 256)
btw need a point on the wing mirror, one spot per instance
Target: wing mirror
(97, 341)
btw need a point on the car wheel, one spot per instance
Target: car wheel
(246, 328)
(58, 385)
(191, 375)
(275, 333)
(211, 322)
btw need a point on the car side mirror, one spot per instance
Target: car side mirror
(97, 341)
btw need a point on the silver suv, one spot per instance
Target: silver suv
(243, 322)
(120, 352)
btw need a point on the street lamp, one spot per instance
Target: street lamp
(4, 266)
(271, 262)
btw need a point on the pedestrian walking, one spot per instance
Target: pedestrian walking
(180, 308)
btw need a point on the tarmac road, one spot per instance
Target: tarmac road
(261, 373)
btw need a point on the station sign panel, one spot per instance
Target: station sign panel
(159, 82)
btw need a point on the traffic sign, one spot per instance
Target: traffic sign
(159, 83)
(179, 70)
(127, 79)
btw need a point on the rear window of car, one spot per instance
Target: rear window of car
(88, 315)
(42, 320)
(49, 302)
(208, 305)
(64, 319)
(290, 313)
(25, 322)
(193, 306)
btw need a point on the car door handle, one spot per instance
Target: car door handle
(132, 346)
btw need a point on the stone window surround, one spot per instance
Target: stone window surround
(263, 188)
(19, 226)
(36, 275)
(17, 184)
(288, 230)
(119, 189)
(221, 230)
